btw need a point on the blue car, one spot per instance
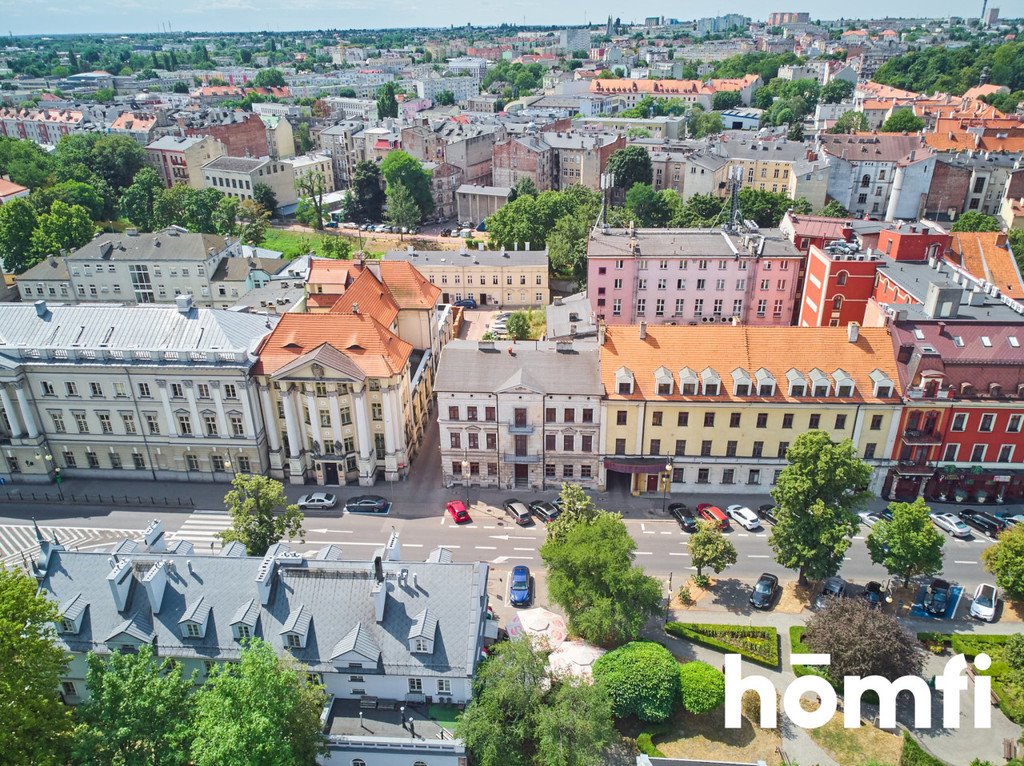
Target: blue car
(520, 589)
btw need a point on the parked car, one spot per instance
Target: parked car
(743, 516)
(712, 513)
(1012, 520)
(936, 600)
(457, 510)
(833, 587)
(873, 595)
(684, 516)
(518, 511)
(763, 594)
(982, 521)
(520, 589)
(869, 519)
(466, 303)
(948, 522)
(986, 599)
(545, 511)
(367, 504)
(317, 500)
(767, 513)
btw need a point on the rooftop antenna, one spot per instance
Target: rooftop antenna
(735, 180)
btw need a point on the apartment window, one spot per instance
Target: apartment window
(616, 307)
(762, 420)
(376, 411)
(950, 452)
(876, 423)
(709, 420)
(71, 388)
(550, 442)
(453, 413)
(787, 420)
(492, 441)
(456, 440)
(471, 413)
(95, 390)
(655, 446)
(115, 461)
(978, 453)
(729, 476)
(129, 423)
(348, 445)
(621, 417)
(47, 388)
(184, 425)
(730, 449)
(177, 391)
(568, 442)
(813, 422)
(152, 424)
(840, 421)
(703, 476)
(620, 446)
(1005, 453)
(210, 425)
(757, 450)
(754, 476)
(682, 419)
(550, 471)
(959, 422)
(701, 284)
(587, 443)
(869, 450)
(656, 418)
(734, 420)
(705, 448)
(106, 426)
(680, 303)
(144, 391)
(783, 448)
(203, 390)
(588, 415)
(698, 306)
(659, 307)
(325, 419)
(1013, 424)
(217, 463)
(641, 306)
(549, 415)
(58, 422)
(237, 427)
(987, 421)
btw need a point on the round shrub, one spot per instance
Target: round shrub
(642, 680)
(702, 687)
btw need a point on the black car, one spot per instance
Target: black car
(545, 511)
(367, 504)
(466, 303)
(872, 594)
(982, 521)
(765, 588)
(682, 514)
(767, 513)
(936, 600)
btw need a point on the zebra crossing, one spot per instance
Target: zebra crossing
(18, 541)
(201, 528)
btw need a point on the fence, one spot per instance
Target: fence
(21, 496)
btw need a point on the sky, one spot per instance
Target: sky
(70, 16)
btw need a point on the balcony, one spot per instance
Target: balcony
(520, 459)
(914, 468)
(520, 429)
(915, 436)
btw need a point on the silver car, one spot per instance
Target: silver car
(986, 599)
(949, 522)
(317, 500)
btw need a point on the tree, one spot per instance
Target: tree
(972, 220)
(199, 212)
(387, 104)
(642, 680)
(1005, 560)
(862, 641)
(24, 162)
(139, 711)
(225, 217)
(253, 504)
(766, 208)
(400, 167)
(710, 548)
(311, 187)
(523, 187)
(630, 165)
(366, 198)
(702, 124)
(518, 326)
(260, 711)
(725, 99)
(909, 545)
(835, 91)
(303, 139)
(65, 227)
(116, 159)
(567, 247)
(576, 726)
(1015, 239)
(577, 508)
(850, 122)
(253, 222)
(138, 203)
(834, 210)
(444, 98)
(497, 725)
(268, 78)
(335, 247)
(702, 687)
(815, 496)
(403, 211)
(795, 132)
(647, 206)
(73, 193)
(17, 222)
(264, 196)
(36, 722)
(902, 121)
(1014, 651)
(591, 576)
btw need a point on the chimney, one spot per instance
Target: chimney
(380, 596)
(40, 309)
(852, 332)
(120, 581)
(155, 581)
(378, 569)
(355, 308)
(643, 331)
(154, 536)
(184, 303)
(393, 550)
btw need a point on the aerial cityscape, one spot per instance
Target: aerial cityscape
(447, 386)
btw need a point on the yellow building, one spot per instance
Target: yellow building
(717, 406)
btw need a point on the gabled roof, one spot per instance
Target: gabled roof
(327, 356)
(298, 620)
(247, 613)
(367, 296)
(197, 611)
(536, 365)
(138, 626)
(986, 256)
(359, 641)
(409, 289)
(424, 625)
(73, 607)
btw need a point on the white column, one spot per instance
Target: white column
(12, 414)
(172, 427)
(247, 419)
(270, 419)
(336, 417)
(198, 427)
(26, 410)
(290, 424)
(362, 424)
(394, 397)
(388, 414)
(313, 429)
(218, 403)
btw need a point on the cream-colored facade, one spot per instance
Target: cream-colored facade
(128, 392)
(717, 407)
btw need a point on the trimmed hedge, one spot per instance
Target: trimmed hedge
(646, 746)
(756, 644)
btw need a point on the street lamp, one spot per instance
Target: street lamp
(465, 478)
(668, 484)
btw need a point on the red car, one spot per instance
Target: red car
(458, 512)
(709, 512)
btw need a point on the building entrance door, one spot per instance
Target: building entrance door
(331, 473)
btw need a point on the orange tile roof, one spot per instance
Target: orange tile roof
(734, 83)
(328, 271)
(408, 287)
(372, 347)
(884, 91)
(134, 121)
(726, 348)
(367, 295)
(988, 89)
(10, 189)
(321, 300)
(986, 255)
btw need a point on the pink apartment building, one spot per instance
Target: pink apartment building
(688, 276)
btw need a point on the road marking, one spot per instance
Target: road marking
(742, 534)
(523, 549)
(503, 559)
(678, 553)
(412, 545)
(325, 531)
(965, 562)
(666, 533)
(757, 556)
(486, 547)
(761, 535)
(201, 528)
(20, 539)
(643, 527)
(645, 553)
(489, 526)
(859, 537)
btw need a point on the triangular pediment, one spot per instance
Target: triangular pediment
(324, 361)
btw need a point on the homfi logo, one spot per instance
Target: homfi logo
(952, 682)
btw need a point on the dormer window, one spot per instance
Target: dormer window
(296, 628)
(191, 630)
(741, 383)
(243, 631)
(883, 386)
(419, 645)
(765, 383)
(844, 383)
(194, 620)
(820, 385)
(293, 640)
(421, 634)
(67, 626)
(70, 614)
(663, 378)
(624, 381)
(688, 382)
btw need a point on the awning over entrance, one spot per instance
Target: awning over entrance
(636, 464)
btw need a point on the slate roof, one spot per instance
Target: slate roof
(170, 244)
(537, 365)
(483, 258)
(334, 596)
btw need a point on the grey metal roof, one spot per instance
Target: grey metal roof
(233, 549)
(337, 596)
(570, 316)
(470, 258)
(236, 164)
(197, 611)
(298, 620)
(489, 191)
(465, 367)
(170, 244)
(675, 243)
(360, 641)
(73, 607)
(175, 142)
(120, 332)
(424, 625)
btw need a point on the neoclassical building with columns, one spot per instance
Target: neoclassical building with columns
(158, 392)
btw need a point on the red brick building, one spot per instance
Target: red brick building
(243, 134)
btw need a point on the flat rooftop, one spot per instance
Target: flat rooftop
(673, 243)
(384, 720)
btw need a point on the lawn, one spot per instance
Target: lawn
(445, 715)
(295, 243)
(858, 747)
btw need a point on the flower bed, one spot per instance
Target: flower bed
(757, 644)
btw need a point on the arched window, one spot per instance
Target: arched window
(865, 181)
(841, 278)
(358, 762)
(837, 303)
